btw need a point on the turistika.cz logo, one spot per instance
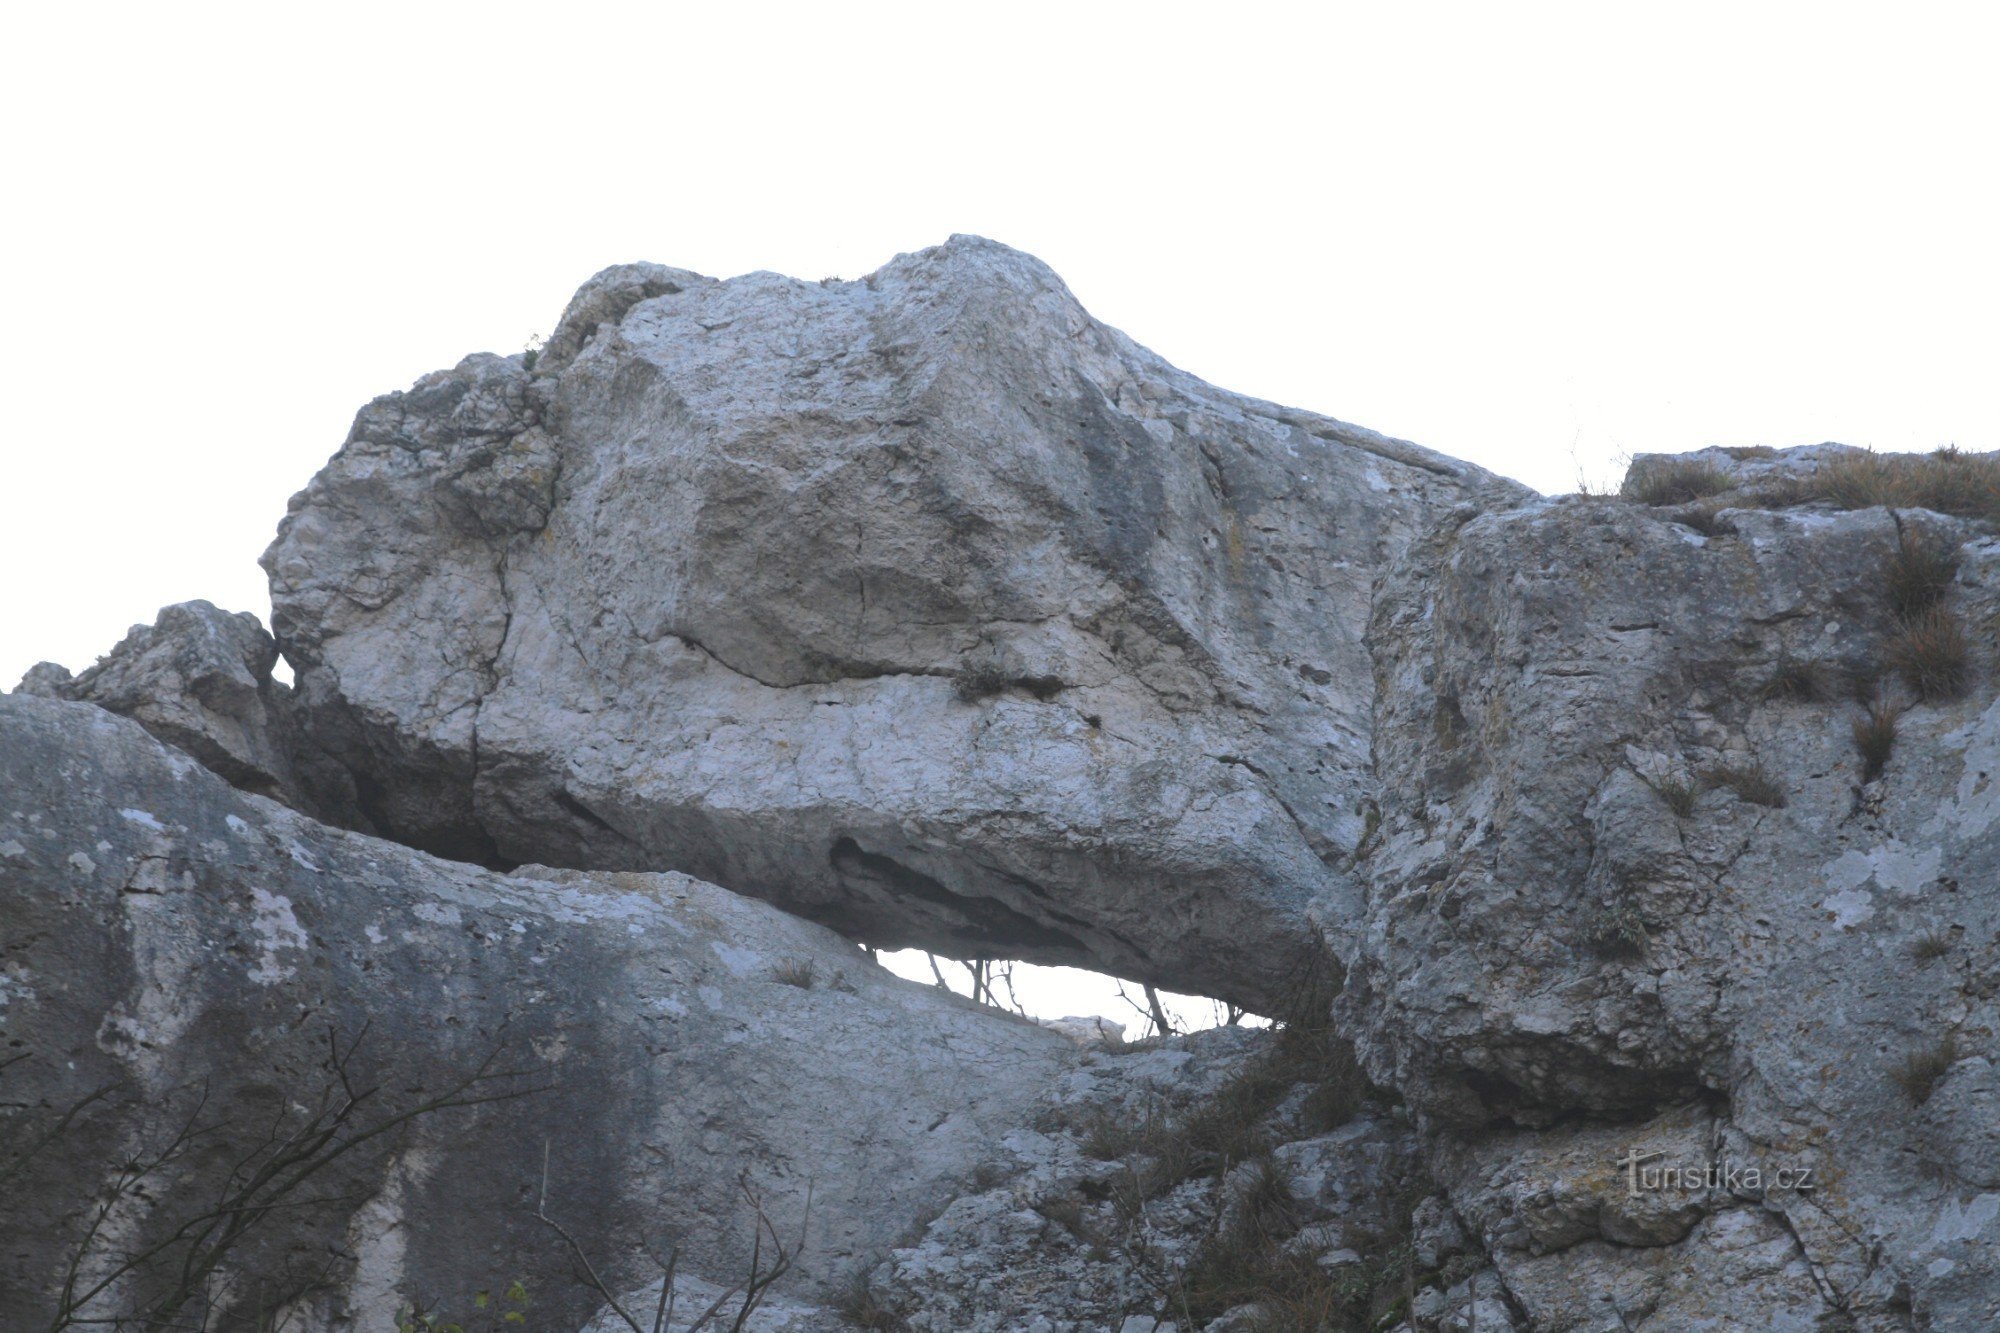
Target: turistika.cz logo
(1690, 1177)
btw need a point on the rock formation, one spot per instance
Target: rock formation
(1621, 866)
(1634, 857)
(199, 678)
(180, 945)
(925, 606)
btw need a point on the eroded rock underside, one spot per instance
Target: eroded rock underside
(1612, 837)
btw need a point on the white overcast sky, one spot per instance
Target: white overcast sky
(1539, 237)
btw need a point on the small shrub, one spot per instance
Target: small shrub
(1875, 738)
(1678, 795)
(1924, 1068)
(980, 680)
(1752, 782)
(1620, 932)
(1108, 1137)
(1249, 1263)
(1800, 682)
(1673, 481)
(1919, 574)
(1162, 1148)
(1930, 946)
(1932, 655)
(800, 972)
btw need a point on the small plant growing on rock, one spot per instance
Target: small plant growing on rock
(1752, 782)
(1924, 1068)
(1620, 932)
(800, 972)
(1677, 794)
(1673, 481)
(1799, 682)
(980, 680)
(1875, 738)
(1248, 1262)
(987, 679)
(1930, 946)
(1930, 652)
(1920, 573)
(1945, 482)
(1065, 1210)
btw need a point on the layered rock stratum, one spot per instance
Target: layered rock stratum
(643, 684)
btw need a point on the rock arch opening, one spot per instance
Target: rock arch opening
(1093, 1007)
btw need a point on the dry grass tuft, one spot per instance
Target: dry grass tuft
(1920, 573)
(1801, 682)
(1248, 1263)
(1930, 946)
(1752, 782)
(1678, 795)
(1875, 738)
(1166, 1146)
(1673, 481)
(1932, 654)
(800, 972)
(1946, 482)
(1924, 1068)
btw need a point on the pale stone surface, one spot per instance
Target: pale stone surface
(931, 609)
(1546, 672)
(924, 605)
(159, 931)
(199, 678)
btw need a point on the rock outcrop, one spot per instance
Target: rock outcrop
(175, 953)
(1634, 859)
(924, 605)
(1640, 849)
(199, 678)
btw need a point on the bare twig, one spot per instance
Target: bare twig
(752, 1289)
(267, 1178)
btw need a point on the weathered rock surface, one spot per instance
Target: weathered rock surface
(199, 678)
(168, 939)
(932, 610)
(1546, 936)
(924, 605)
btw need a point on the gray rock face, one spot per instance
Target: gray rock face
(165, 938)
(1547, 934)
(923, 605)
(1658, 869)
(199, 678)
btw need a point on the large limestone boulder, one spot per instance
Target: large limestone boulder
(1632, 859)
(924, 605)
(177, 955)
